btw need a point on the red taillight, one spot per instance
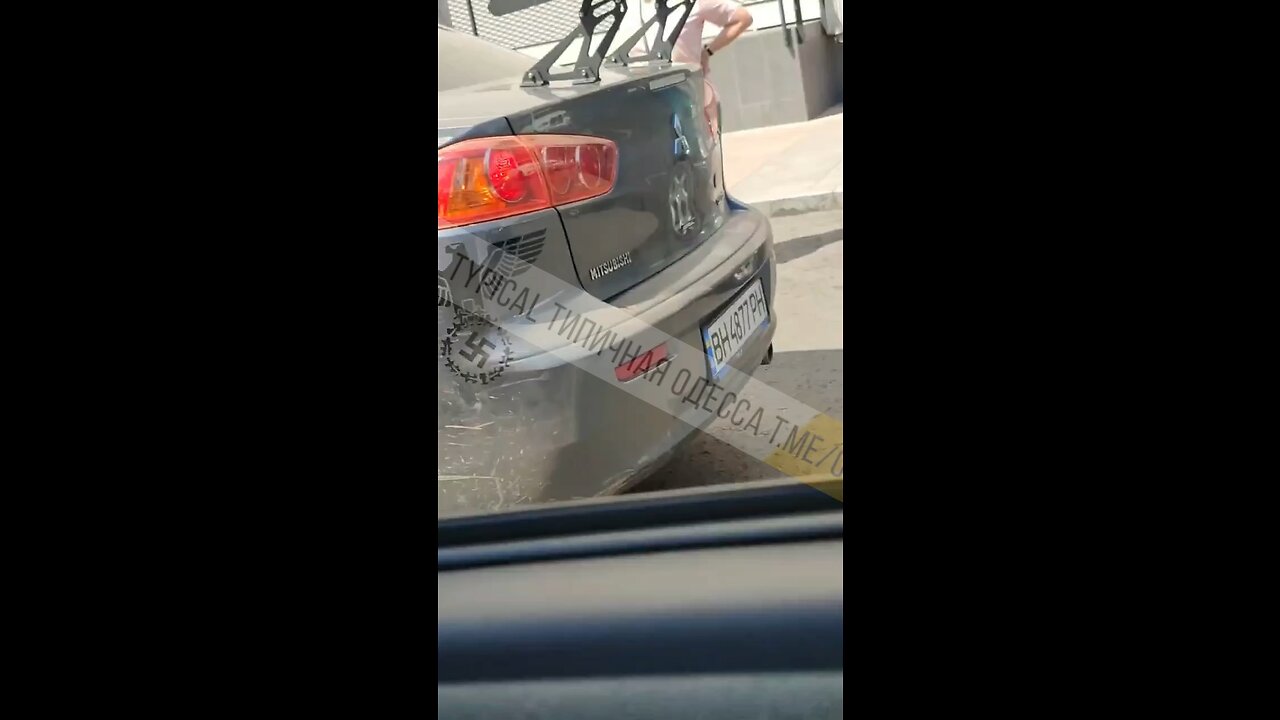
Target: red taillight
(491, 178)
(558, 163)
(510, 171)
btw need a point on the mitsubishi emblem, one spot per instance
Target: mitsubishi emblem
(681, 148)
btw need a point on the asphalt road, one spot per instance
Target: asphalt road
(808, 360)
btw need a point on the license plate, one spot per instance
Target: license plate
(725, 336)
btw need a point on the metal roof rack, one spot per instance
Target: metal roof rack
(587, 67)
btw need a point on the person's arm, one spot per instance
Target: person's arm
(733, 20)
(738, 24)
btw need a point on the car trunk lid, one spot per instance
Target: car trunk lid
(669, 194)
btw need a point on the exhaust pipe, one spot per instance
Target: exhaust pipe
(768, 356)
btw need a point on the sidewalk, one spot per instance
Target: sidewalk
(788, 169)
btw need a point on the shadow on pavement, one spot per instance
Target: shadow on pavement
(798, 248)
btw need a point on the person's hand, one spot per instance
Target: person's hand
(706, 61)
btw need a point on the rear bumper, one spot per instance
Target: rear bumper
(548, 430)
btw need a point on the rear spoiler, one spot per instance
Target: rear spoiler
(586, 69)
(665, 43)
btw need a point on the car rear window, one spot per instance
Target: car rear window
(466, 60)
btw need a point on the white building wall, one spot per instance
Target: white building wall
(764, 15)
(556, 19)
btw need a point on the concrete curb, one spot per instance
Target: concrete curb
(780, 207)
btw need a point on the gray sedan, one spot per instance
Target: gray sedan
(611, 189)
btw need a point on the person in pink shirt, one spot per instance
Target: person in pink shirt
(733, 20)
